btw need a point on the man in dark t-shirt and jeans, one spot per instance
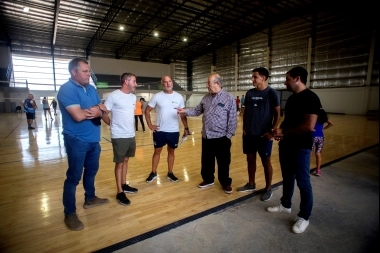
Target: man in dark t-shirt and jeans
(295, 136)
(260, 120)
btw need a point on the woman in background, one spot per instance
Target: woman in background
(46, 107)
(318, 137)
(139, 114)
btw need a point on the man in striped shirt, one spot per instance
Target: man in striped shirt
(218, 126)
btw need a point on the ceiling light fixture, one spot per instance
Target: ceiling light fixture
(121, 28)
(156, 34)
(26, 9)
(80, 20)
(185, 39)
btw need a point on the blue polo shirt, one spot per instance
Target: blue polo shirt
(71, 94)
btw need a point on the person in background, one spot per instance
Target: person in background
(260, 119)
(237, 104)
(219, 125)
(295, 142)
(166, 129)
(122, 103)
(318, 138)
(46, 107)
(81, 110)
(242, 101)
(54, 105)
(139, 115)
(30, 107)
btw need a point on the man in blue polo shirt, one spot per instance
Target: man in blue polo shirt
(81, 110)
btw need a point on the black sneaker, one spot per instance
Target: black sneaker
(266, 195)
(128, 189)
(31, 128)
(151, 177)
(122, 199)
(172, 177)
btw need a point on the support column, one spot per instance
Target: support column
(366, 98)
(308, 64)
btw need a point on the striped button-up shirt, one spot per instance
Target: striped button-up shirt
(219, 115)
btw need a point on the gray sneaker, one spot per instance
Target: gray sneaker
(247, 188)
(267, 195)
(73, 223)
(95, 202)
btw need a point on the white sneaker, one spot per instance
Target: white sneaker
(300, 225)
(279, 209)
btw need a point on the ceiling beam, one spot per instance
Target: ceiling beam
(55, 23)
(160, 15)
(204, 18)
(112, 12)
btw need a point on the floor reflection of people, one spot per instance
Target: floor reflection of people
(33, 146)
(48, 127)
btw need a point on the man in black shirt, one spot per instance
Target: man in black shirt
(295, 136)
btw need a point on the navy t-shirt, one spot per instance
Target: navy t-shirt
(259, 109)
(297, 106)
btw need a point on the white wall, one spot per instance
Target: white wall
(117, 67)
(348, 100)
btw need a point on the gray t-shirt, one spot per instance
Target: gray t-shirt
(259, 109)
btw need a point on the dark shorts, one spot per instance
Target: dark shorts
(30, 115)
(253, 144)
(123, 147)
(47, 109)
(160, 139)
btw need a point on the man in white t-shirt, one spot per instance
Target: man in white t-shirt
(122, 103)
(166, 129)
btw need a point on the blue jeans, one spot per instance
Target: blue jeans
(295, 165)
(80, 155)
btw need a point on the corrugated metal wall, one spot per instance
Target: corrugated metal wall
(180, 76)
(201, 71)
(225, 66)
(288, 48)
(341, 53)
(253, 54)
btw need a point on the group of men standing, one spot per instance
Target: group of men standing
(82, 111)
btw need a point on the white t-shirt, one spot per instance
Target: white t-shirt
(122, 106)
(165, 106)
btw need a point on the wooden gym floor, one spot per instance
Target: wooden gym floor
(33, 166)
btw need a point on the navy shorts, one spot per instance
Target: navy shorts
(30, 115)
(160, 139)
(253, 144)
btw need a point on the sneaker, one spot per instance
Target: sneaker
(267, 195)
(73, 223)
(300, 225)
(95, 202)
(318, 173)
(122, 199)
(31, 128)
(227, 189)
(151, 177)
(172, 177)
(128, 189)
(247, 188)
(204, 184)
(279, 209)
